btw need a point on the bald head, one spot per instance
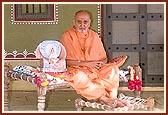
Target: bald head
(86, 12)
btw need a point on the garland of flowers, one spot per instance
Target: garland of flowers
(134, 83)
(41, 83)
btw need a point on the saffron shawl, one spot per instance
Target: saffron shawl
(93, 52)
(90, 82)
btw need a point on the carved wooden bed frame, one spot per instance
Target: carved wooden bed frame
(137, 103)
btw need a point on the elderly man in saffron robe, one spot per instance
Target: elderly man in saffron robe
(86, 57)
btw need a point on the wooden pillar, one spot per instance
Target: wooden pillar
(6, 88)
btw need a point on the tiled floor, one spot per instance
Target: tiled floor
(63, 100)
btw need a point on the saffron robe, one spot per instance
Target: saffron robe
(92, 83)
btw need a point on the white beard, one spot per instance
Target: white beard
(83, 30)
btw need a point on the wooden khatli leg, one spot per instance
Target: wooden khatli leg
(150, 103)
(6, 88)
(42, 90)
(41, 98)
(78, 106)
(137, 93)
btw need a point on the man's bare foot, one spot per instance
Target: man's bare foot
(121, 103)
